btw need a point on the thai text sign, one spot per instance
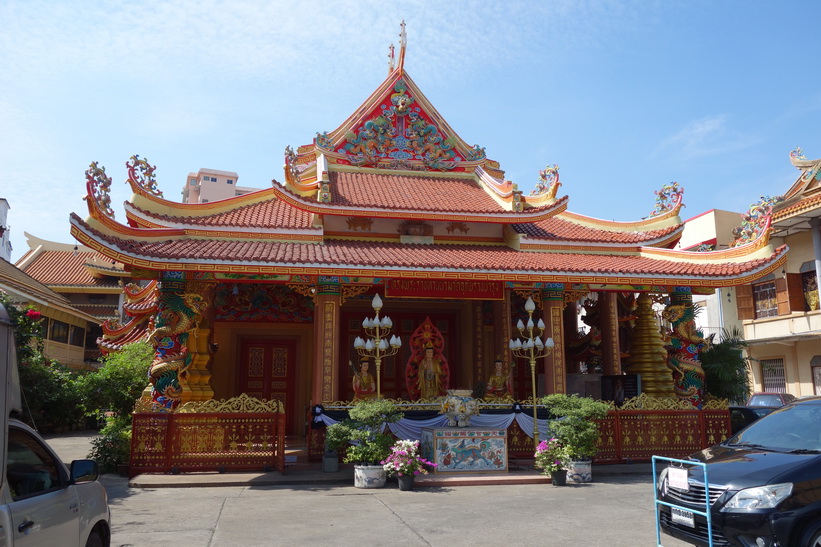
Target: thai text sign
(454, 289)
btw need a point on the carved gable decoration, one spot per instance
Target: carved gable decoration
(399, 131)
(415, 228)
(359, 223)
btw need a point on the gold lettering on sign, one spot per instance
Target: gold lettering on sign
(556, 329)
(327, 350)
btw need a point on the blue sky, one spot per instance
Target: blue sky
(625, 96)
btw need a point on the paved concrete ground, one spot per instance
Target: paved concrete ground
(616, 510)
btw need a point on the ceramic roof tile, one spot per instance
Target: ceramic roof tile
(351, 254)
(412, 192)
(266, 214)
(17, 279)
(65, 268)
(559, 229)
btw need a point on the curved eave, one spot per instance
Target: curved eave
(159, 233)
(530, 243)
(797, 207)
(756, 249)
(662, 221)
(160, 206)
(506, 217)
(143, 221)
(649, 266)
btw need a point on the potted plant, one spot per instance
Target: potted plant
(369, 445)
(553, 458)
(405, 463)
(573, 426)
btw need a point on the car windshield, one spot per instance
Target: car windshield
(789, 428)
(765, 400)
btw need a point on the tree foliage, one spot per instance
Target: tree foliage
(726, 368)
(120, 382)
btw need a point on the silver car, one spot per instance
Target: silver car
(43, 503)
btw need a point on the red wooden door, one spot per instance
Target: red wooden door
(266, 370)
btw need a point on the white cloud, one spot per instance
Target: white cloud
(708, 136)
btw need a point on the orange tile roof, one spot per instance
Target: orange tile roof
(559, 229)
(403, 257)
(17, 279)
(272, 213)
(64, 268)
(412, 192)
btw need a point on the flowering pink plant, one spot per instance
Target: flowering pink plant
(404, 459)
(551, 456)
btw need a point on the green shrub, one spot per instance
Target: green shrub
(573, 422)
(112, 446)
(120, 382)
(364, 429)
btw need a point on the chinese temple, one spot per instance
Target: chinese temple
(266, 293)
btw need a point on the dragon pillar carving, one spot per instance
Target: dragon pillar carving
(178, 317)
(684, 343)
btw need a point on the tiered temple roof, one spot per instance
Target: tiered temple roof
(395, 192)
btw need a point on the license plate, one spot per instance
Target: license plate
(680, 516)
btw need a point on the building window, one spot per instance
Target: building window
(766, 304)
(59, 331)
(772, 374)
(816, 379)
(78, 336)
(810, 285)
(230, 181)
(192, 182)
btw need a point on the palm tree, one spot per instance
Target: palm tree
(726, 368)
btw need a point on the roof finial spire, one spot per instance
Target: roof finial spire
(403, 43)
(391, 59)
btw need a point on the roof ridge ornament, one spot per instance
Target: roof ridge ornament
(667, 199)
(756, 222)
(98, 186)
(548, 182)
(391, 59)
(403, 44)
(145, 179)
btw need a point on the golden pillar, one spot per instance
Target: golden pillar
(327, 350)
(198, 377)
(648, 357)
(610, 346)
(553, 314)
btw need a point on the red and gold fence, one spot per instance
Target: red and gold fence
(638, 435)
(238, 434)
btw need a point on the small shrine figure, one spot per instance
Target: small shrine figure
(429, 380)
(498, 385)
(364, 384)
(427, 373)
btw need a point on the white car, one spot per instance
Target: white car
(42, 503)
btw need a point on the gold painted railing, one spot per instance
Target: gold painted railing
(641, 428)
(241, 433)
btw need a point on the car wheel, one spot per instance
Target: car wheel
(812, 535)
(95, 540)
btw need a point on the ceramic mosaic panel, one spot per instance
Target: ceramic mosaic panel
(465, 449)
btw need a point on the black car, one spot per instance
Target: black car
(764, 484)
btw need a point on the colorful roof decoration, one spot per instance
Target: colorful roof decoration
(395, 192)
(140, 307)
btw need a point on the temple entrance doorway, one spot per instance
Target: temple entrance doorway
(266, 371)
(393, 368)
